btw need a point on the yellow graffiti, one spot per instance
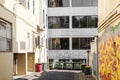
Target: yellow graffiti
(109, 59)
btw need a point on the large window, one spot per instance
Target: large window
(58, 43)
(58, 3)
(58, 22)
(84, 3)
(84, 21)
(5, 36)
(81, 43)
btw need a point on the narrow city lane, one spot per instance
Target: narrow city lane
(61, 75)
(57, 75)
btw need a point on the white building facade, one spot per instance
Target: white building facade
(72, 24)
(43, 34)
(20, 28)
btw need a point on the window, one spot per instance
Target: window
(84, 21)
(22, 2)
(28, 4)
(5, 36)
(46, 43)
(58, 43)
(50, 60)
(63, 60)
(37, 41)
(43, 17)
(22, 45)
(81, 43)
(28, 37)
(33, 7)
(58, 22)
(58, 3)
(92, 21)
(46, 20)
(84, 3)
(79, 21)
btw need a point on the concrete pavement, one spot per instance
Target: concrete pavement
(30, 76)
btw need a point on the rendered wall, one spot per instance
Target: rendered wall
(70, 32)
(6, 58)
(109, 39)
(6, 66)
(105, 6)
(109, 52)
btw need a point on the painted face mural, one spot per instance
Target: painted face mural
(109, 59)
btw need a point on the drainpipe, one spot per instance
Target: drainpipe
(88, 57)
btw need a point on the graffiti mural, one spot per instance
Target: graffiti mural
(109, 58)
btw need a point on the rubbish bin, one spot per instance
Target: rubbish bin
(59, 65)
(83, 67)
(38, 67)
(88, 70)
(50, 65)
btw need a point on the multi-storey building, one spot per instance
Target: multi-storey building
(72, 24)
(20, 28)
(109, 39)
(43, 34)
(25, 37)
(7, 22)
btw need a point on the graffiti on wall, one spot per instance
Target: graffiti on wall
(109, 58)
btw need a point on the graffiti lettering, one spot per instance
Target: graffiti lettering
(115, 27)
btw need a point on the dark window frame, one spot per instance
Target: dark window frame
(79, 43)
(58, 43)
(58, 22)
(57, 3)
(8, 40)
(83, 21)
(81, 3)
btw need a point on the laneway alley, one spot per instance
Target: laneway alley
(63, 75)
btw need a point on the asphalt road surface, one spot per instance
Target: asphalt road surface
(61, 75)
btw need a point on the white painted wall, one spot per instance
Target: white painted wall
(67, 11)
(67, 54)
(70, 32)
(22, 30)
(6, 66)
(23, 21)
(9, 4)
(43, 34)
(86, 32)
(6, 58)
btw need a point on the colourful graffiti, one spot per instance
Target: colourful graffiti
(109, 59)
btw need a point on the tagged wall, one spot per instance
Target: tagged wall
(109, 54)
